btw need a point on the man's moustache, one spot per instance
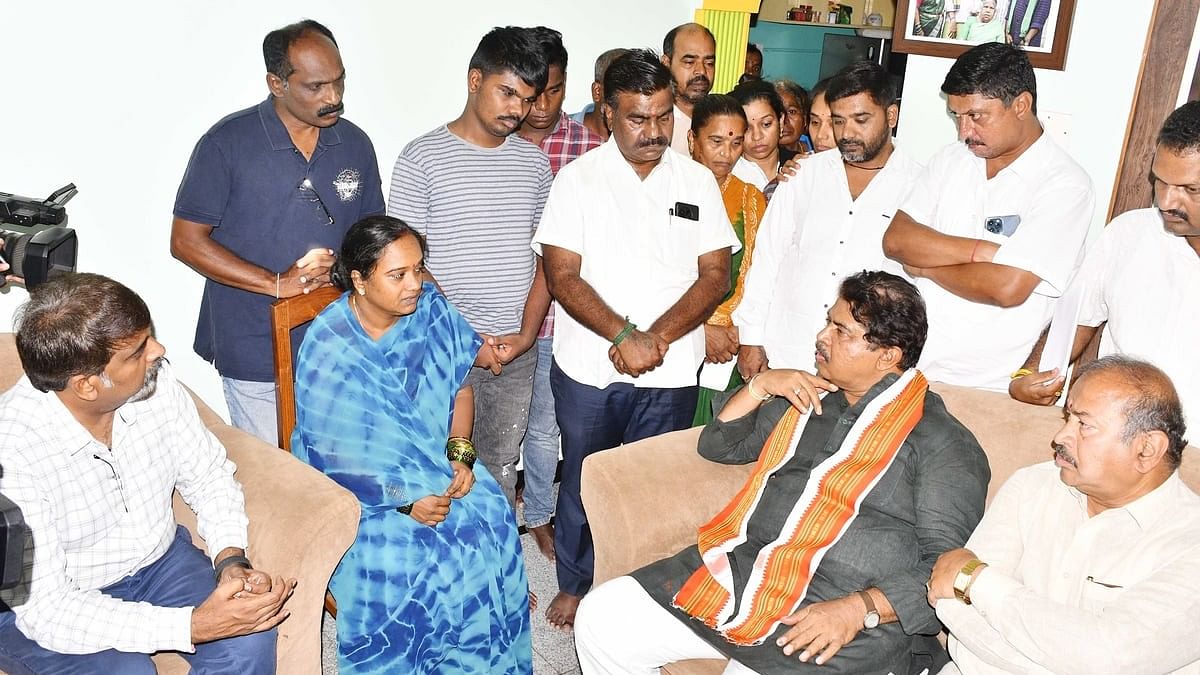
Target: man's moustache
(658, 140)
(701, 80)
(1060, 451)
(331, 110)
(1175, 213)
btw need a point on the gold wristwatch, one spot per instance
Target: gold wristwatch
(962, 581)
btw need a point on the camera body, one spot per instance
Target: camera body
(12, 543)
(37, 247)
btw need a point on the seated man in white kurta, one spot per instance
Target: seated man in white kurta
(1086, 564)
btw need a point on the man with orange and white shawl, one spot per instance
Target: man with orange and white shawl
(818, 564)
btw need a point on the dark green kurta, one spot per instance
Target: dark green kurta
(927, 502)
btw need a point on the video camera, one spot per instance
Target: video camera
(40, 248)
(12, 543)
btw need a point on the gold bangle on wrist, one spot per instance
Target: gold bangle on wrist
(461, 449)
(750, 389)
(1021, 372)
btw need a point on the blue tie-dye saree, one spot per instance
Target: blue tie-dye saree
(375, 416)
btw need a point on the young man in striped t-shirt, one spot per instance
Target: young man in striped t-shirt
(476, 192)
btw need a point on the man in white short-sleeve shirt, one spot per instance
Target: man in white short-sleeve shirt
(806, 246)
(1141, 279)
(1086, 564)
(636, 246)
(995, 227)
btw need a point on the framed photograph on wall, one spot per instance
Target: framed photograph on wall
(950, 27)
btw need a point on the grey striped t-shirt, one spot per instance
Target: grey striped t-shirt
(478, 208)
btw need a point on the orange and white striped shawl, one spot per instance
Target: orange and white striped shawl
(828, 504)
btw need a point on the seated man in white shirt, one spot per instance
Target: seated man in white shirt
(1141, 279)
(825, 224)
(93, 442)
(637, 245)
(1086, 564)
(995, 227)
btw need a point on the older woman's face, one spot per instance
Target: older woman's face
(719, 143)
(395, 285)
(987, 12)
(762, 133)
(794, 121)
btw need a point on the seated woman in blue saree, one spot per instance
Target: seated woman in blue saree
(435, 581)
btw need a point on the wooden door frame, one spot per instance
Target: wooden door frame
(1168, 42)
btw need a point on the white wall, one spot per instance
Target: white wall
(112, 97)
(1094, 92)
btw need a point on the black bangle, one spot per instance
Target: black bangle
(239, 560)
(406, 509)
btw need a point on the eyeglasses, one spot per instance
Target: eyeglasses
(310, 194)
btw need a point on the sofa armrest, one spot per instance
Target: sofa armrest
(645, 500)
(301, 523)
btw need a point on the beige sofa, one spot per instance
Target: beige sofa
(300, 525)
(645, 500)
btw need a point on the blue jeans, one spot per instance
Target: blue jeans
(182, 577)
(540, 450)
(252, 408)
(592, 420)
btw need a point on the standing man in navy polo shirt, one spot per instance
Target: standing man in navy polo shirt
(268, 194)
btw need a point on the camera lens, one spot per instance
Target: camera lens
(993, 225)
(13, 252)
(39, 256)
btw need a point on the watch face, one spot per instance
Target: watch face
(871, 620)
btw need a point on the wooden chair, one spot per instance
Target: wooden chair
(286, 314)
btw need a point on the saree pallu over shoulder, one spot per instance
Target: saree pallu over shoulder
(355, 394)
(744, 204)
(375, 416)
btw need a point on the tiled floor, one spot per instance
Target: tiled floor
(553, 650)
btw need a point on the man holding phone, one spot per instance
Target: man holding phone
(995, 227)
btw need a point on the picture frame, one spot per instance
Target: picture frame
(936, 27)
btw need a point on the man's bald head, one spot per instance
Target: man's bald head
(682, 30)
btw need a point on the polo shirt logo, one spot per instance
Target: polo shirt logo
(348, 184)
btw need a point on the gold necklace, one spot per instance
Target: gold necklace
(354, 308)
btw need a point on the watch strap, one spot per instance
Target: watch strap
(962, 581)
(872, 612)
(230, 561)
